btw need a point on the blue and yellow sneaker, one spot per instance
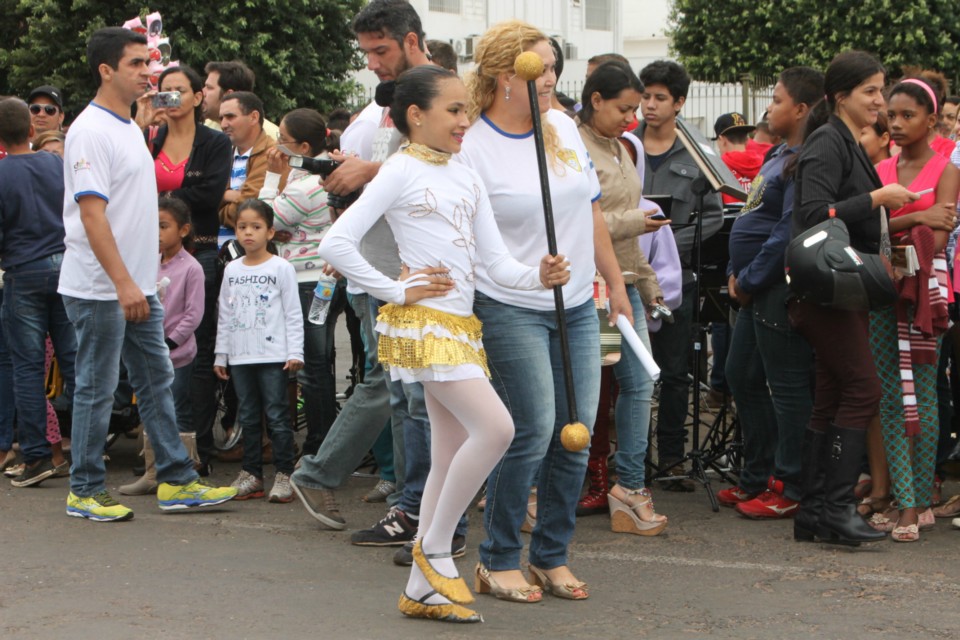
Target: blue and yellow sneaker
(172, 497)
(100, 507)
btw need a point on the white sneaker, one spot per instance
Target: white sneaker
(956, 523)
(248, 486)
(281, 491)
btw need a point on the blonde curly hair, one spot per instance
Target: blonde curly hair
(495, 54)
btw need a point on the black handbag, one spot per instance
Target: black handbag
(822, 267)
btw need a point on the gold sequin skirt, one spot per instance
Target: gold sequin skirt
(420, 344)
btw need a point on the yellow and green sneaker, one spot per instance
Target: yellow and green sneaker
(172, 497)
(100, 507)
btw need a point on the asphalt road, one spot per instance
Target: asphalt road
(261, 570)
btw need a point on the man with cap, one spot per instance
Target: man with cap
(733, 132)
(46, 109)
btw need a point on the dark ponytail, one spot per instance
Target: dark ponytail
(416, 86)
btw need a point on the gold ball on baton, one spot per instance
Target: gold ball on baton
(575, 436)
(528, 65)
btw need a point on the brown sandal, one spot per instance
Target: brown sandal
(949, 509)
(871, 505)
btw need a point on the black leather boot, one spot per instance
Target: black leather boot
(839, 521)
(811, 484)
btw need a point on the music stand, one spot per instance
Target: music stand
(714, 177)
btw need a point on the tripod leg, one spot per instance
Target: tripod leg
(698, 472)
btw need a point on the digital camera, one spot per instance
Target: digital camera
(166, 100)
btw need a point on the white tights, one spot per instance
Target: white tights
(470, 430)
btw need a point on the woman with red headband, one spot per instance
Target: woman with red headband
(905, 339)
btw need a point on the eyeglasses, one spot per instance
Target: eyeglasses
(49, 109)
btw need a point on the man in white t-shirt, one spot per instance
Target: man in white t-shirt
(390, 34)
(109, 285)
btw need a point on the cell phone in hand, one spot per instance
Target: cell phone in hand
(166, 100)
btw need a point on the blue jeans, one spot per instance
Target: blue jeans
(32, 308)
(262, 390)
(382, 451)
(671, 350)
(770, 372)
(317, 378)
(8, 411)
(182, 402)
(523, 352)
(103, 337)
(358, 424)
(720, 343)
(633, 403)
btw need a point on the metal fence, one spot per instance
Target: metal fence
(706, 101)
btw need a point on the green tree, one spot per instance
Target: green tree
(301, 50)
(718, 41)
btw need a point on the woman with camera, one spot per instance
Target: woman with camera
(301, 218)
(611, 97)
(193, 163)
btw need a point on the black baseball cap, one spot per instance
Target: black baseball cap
(731, 123)
(47, 90)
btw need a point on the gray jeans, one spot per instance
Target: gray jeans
(358, 424)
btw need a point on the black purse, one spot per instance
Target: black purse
(822, 267)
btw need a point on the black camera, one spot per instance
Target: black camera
(323, 167)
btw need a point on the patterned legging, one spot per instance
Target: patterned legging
(53, 424)
(911, 460)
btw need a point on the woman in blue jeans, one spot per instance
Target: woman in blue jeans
(769, 365)
(611, 97)
(520, 328)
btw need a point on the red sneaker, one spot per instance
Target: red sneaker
(733, 496)
(771, 504)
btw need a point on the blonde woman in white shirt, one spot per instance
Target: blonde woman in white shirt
(523, 346)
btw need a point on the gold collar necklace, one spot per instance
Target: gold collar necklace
(426, 154)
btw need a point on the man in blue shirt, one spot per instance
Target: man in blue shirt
(31, 251)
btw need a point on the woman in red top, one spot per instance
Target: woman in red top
(905, 339)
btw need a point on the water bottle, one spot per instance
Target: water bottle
(322, 296)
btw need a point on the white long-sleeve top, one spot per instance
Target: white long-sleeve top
(259, 320)
(440, 216)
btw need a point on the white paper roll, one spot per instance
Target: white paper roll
(630, 334)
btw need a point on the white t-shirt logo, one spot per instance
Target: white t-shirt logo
(81, 165)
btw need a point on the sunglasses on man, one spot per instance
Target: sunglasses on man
(49, 109)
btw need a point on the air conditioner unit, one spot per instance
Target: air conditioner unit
(468, 47)
(569, 51)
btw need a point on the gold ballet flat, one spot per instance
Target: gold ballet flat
(443, 612)
(453, 589)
